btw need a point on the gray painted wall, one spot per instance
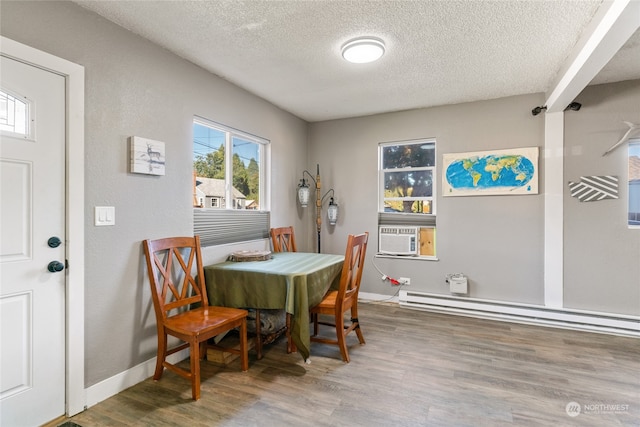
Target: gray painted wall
(602, 255)
(136, 88)
(497, 241)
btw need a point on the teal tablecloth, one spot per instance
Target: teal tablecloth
(294, 281)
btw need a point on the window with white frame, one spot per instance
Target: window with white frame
(634, 183)
(230, 194)
(407, 173)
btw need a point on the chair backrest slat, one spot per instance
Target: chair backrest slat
(353, 266)
(283, 239)
(171, 264)
(181, 303)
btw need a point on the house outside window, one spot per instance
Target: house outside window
(406, 197)
(230, 195)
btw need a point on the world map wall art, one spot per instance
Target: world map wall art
(485, 173)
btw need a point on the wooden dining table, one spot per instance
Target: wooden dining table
(293, 281)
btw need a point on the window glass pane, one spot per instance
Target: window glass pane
(246, 173)
(634, 183)
(420, 206)
(408, 184)
(208, 152)
(408, 155)
(227, 167)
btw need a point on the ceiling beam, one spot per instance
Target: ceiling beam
(614, 23)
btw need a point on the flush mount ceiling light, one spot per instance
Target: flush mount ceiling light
(363, 50)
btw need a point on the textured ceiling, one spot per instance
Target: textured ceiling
(437, 52)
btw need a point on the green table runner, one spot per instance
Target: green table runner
(294, 281)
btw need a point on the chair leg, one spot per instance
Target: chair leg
(195, 369)
(354, 319)
(244, 348)
(342, 342)
(162, 354)
(315, 323)
(203, 350)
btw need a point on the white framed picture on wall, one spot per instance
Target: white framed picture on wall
(147, 156)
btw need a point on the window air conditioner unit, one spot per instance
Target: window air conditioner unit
(398, 240)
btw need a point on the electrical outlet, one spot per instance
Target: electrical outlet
(405, 281)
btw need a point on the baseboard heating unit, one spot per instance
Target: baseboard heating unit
(523, 313)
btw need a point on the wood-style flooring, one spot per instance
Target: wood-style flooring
(416, 369)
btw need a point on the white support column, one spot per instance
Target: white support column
(614, 23)
(612, 26)
(553, 209)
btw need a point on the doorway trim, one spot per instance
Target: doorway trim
(74, 190)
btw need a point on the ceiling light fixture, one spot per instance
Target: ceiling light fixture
(363, 50)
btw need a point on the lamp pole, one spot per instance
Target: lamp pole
(318, 204)
(303, 195)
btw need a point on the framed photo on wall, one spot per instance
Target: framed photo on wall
(147, 156)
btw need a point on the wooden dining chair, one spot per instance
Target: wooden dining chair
(283, 239)
(336, 302)
(182, 308)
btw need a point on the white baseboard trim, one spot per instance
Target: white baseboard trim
(122, 381)
(608, 323)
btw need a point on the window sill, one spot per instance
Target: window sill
(407, 257)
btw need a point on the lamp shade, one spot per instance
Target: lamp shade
(332, 212)
(303, 194)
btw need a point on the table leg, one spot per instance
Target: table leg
(258, 335)
(291, 347)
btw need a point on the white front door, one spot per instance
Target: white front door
(32, 217)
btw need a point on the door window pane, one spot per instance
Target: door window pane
(14, 114)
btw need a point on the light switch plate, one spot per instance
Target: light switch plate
(105, 215)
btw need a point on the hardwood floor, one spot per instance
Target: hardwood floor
(417, 369)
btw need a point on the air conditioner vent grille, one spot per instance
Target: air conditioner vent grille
(398, 240)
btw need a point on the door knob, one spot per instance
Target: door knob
(53, 242)
(55, 266)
